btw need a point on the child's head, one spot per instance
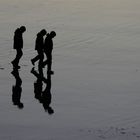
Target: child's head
(22, 29)
(43, 32)
(52, 34)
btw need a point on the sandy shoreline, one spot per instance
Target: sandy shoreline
(96, 61)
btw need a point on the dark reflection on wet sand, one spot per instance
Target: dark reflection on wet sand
(46, 96)
(43, 96)
(17, 89)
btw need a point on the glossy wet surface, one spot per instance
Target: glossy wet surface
(95, 92)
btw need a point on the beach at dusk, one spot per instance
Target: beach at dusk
(95, 88)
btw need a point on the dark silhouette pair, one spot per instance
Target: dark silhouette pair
(44, 47)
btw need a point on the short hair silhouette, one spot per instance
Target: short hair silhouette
(22, 29)
(43, 31)
(52, 33)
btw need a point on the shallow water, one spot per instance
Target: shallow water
(95, 88)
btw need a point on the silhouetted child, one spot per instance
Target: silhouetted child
(48, 47)
(18, 45)
(39, 45)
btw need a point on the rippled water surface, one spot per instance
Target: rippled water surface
(96, 61)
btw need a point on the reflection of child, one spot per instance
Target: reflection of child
(17, 90)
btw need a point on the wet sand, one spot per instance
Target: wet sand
(96, 62)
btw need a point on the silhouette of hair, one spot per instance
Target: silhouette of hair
(52, 33)
(43, 31)
(22, 28)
